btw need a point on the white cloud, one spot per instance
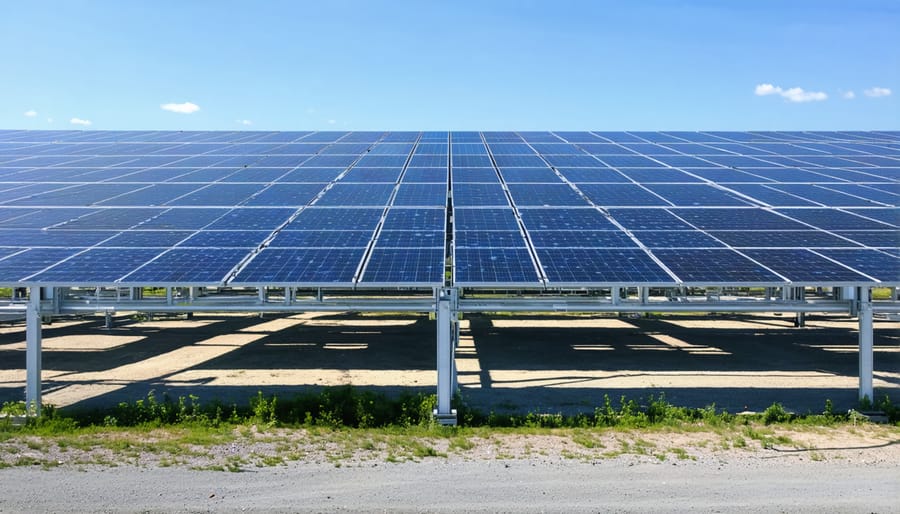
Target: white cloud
(31, 113)
(182, 108)
(794, 94)
(877, 92)
(849, 95)
(79, 121)
(244, 122)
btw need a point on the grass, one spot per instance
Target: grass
(344, 426)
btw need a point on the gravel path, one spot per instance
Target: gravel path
(528, 485)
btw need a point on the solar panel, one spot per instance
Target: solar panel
(600, 266)
(529, 209)
(421, 266)
(302, 266)
(710, 267)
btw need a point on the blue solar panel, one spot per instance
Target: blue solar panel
(547, 175)
(421, 194)
(823, 196)
(97, 266)
(593, 175)
(252, 219)
(322, 239)
(772, 197)
(183, 219)
(572, 161)
(25, 238)
(488, 239)
(891, 216)
(195, 266)
(147, 239)
(336, 219)
(873, 263)
(715, 267)
(550, 195)
(474, 175)
(78, 195)
(293, 195)
(676, 239)
(302, 266)
(782, 239)
(226, 239)
(415, 219)
(474, 161)
(406, 266)
(494, 266)
(410, 239)
(874, 238)
(316, 175)
(657, 175)
(359, 174)
(429, 161)
(600, 266)
(438, 175)
(648, 219)
(256, 174)
(112, 219)
(362, 195)
(158, 194)
(700, 195)
(833, 219)
(566, 219)
(478, 195)
(225, 195)
(629, 161)
(619, 195)
(805, 266)
(581, 239)
(17, 267)
(520, 161)
(869, 193)
(737, 219)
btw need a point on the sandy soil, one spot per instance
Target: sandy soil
(552, 363)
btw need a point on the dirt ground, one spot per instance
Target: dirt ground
(550, 363)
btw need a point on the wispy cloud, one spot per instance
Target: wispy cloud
(244, 122)
(332, 122)
(877, 92)
(31, 113)
(794, 94)
(848, 95)
(79, 121)
(182, 108)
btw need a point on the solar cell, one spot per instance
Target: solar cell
(423, 266)
(467, 194)
(474, 175)
(891, 216)
(600, 266)
(189, 265)
(620, 195)
(511, 175)
(363, 174)
(696, 194)
(488, 239)
(97, 266)
(147, 239)
(676, 239)
(709, 267)
(805, 266)
(781, 239)
(648, 219)
(288, 195)
(309, 267)
(356, 195)
(833, 219)
(436, 175)
(550, 195)
(321, 239)
(873, 263)
(226, 239)
(252, 219)
(566, 219)
(336, 219)
(593, 175)
(225, 195)
(16, 268)
(874, 238)
(421, 194)
(415, 219)
(30, 238)
(493, 266)
(183, 219)
(410, 239)
(581, 239)
(737, 219)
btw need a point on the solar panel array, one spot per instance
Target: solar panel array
(425, 209)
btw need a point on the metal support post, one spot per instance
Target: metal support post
(169, 296)
(800, 320)
(446, 309)
(616, 295)
(288, 295)
(108, 320)
(33, 352)
(866, 350)
(645, 294)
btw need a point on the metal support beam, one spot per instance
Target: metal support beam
(866, 350)
(446, 309)
(33, 352)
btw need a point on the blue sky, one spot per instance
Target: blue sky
(429, 65)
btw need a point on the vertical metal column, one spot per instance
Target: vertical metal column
(866, 350)
(446, 309)
(33, 352)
